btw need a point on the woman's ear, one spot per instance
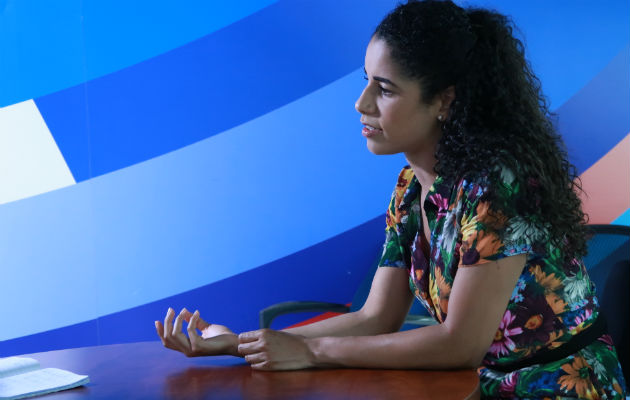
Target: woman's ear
(446, 98)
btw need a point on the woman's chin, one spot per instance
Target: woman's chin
(378, 149)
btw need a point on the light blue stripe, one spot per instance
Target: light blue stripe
(233, 202)
(47, 46)
(47, 253)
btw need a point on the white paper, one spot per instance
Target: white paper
(17, 365)
(38, 382)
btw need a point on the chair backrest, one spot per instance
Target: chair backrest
(609, 244)
(608, 264)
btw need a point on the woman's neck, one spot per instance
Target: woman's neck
(423, 168)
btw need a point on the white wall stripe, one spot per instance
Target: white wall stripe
(30, 161)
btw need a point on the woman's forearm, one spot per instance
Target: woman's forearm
(431, 347)
(384, 310)
(358, 323)
(461, 341)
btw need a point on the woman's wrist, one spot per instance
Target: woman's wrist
(231, 345)
(319, 348)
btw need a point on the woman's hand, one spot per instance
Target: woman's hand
(214, 339)
(270, 350)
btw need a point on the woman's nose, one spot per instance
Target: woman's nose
(364, 104)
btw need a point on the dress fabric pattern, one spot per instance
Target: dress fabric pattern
(552, 301)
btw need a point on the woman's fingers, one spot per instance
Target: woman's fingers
(160, 331)
(201, 324)
(168, 323)
(251, 336)
(187, 314)
(250, 343)
(193, 336)
(207, 329)
(248, 348)
(213, 339)
(177, 326)
(252, 349)
(170, 334)
(180, 342)
(255, 358)
(267, 349)
(262, 366)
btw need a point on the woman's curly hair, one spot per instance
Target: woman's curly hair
(499, 118)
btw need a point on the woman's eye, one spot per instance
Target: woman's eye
(385, 91)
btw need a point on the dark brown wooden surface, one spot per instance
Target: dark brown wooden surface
(148, 371)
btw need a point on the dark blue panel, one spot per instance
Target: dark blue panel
(329, 271)
(215, 83)
(78, 335)
(597, 118)
(75, 147)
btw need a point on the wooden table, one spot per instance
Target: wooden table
(147, 370)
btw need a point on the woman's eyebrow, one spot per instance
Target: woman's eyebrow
(384, 80)
(381, 79)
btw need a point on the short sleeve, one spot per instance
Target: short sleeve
(393, 250)
(396, 249)
(487, 234)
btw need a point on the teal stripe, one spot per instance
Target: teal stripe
(623, 219)
(47, 46)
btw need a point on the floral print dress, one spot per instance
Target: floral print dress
(552, 301)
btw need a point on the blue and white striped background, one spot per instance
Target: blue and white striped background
(209, 155)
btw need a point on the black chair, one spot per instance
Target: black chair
(417, 314)
(608, 264)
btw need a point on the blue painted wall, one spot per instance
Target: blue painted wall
(217, 155)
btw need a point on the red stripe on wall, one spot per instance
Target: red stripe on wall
(607, 185)
(316, 318)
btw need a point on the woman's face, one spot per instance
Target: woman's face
(394, 116)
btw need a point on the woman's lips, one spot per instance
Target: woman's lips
(369, 131)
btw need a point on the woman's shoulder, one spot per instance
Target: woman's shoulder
(499, 184)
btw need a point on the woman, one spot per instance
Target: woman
(484, 225)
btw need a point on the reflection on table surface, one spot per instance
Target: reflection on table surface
(146, 370)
